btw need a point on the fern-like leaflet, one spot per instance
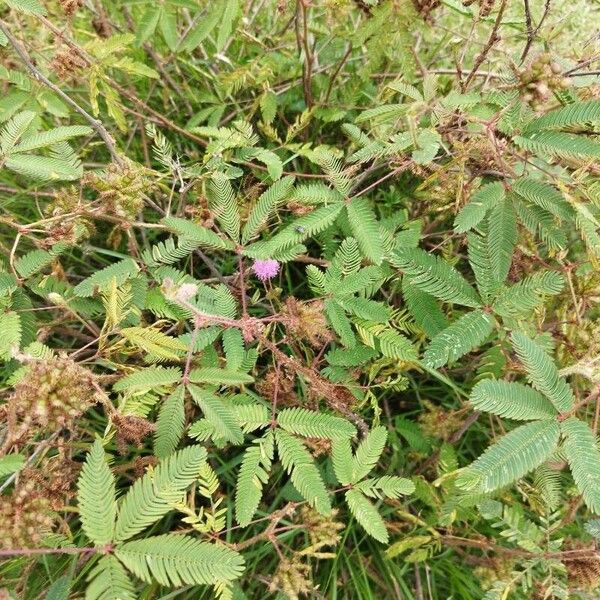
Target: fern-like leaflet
(175, 560)
(254, 473)
(511, 400)
(542, 372)
(312, 424)
(581, 449)
(97, 497)
(305, 476)
(515, 455)
(462, 336)
(170, 423)
(152, 496)
(433, 275)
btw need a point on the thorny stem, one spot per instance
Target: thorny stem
(37, 551)
(11, 258)
(242, 285)
(243, 324)
(270, 531)
(529, 27)
(378, 181)
(188, 360)
(494, 37)
(582, 65)
(337, 72)
(275, 396)
(531, 32)
(484, 544)
(303, 7)
(266, 535)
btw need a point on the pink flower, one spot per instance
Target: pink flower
(265, 269)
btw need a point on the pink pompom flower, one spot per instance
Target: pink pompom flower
(265, 269)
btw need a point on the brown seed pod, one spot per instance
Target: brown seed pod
(306, 321)
(292, 577)
(51, 394)
(25, 517)
(583, 571)
(486, 7)
(426, 7)
(70, 7)
(120, 188)
(130, 429)
(67, 63)
(284, 383)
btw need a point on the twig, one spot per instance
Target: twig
(336, 73)
(488, 74)
(12, 190)
(586, 74)
(531, 32)
(35, 551)
(380, 180)
(275, 396)
(271, 529)
(484, 544)
(11, 257)
(243, 285)
(582, 65)
(494, 37)
(529, 27)
(308, 57)
(455, 437)
(188, 359)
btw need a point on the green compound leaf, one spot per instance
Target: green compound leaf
(462, 336)
(367, 516)
(511, 400)
(543, 373)
(175, 560)
(97, 497)
(581, 449)
(153, 495)
(515, 455)
(299, 464)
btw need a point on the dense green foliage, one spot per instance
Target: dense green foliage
(299, 299)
